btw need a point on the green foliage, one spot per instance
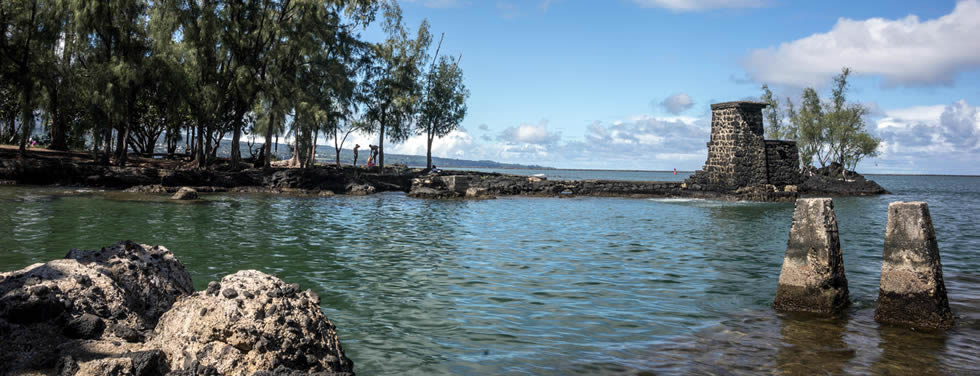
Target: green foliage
(394, 79)
(830, 131)
(773, 116)
(444, 106)
(122, 74)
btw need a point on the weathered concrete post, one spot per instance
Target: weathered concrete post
(812, 278)
(912, 291)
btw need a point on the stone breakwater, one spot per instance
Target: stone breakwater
(38, 171)
(130, 309)
(328, 180)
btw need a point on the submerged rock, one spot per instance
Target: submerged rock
(250, 322)
(154, 188)
(185, 193)
(912, 291)
(360, 189)
(812, 277)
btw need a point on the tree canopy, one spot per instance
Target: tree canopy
(829, 130)
(117, 76)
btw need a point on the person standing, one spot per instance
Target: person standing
(374, 154)
(356, 146)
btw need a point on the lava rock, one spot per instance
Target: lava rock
(86, 326)
(234, 338)
(185, 193)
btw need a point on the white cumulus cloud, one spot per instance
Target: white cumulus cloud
(530, 134)
(930, 139)
(905, 52)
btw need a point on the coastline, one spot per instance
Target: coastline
(168, 176)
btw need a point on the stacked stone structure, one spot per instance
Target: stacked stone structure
(738, 154)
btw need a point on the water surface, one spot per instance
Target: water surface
(542, 285)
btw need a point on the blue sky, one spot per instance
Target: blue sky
(626, 84)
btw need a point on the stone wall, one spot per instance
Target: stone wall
(738, 154)
(783, 162)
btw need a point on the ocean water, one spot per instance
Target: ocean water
(544, 286)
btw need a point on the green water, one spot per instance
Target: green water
(541, 285)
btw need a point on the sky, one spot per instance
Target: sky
(627, 84)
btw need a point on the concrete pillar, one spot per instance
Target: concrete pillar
(812, 278)
(912, 292)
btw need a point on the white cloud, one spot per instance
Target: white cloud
(906, 51)
(930, 139)
(677, 103)
(529, 134)
(698, 5)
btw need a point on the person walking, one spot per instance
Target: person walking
(356, 146)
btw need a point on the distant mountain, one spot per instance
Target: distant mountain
(327, 154)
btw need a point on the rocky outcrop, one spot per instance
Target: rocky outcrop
(249, 322)
(41, 171)
(837, 181)
(128, 310)
(185, 193)
(812, 278)
(912, 291)
(89, 300)
(486, 185)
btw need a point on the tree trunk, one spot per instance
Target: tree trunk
(107, 140)
(95, 144)
(26, 118)
(316, 135)
(336, 147)
(207, 147)
(428, 150)
(171, 144)
(267, 148)
(236, 138)
(59, 130)
(381, 150)
(198, 145)
(8, 131)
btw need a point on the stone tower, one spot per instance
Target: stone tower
(739, 155)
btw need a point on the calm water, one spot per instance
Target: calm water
(540, 285)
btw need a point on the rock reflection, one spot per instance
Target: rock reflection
(813, 345)
(906, 352)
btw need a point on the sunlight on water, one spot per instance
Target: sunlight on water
(539, 285)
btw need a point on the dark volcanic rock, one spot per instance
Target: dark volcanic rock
(835, 180)
(280, 328)
(151, 277)
(86, 326)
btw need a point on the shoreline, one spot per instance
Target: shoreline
(168, 176)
